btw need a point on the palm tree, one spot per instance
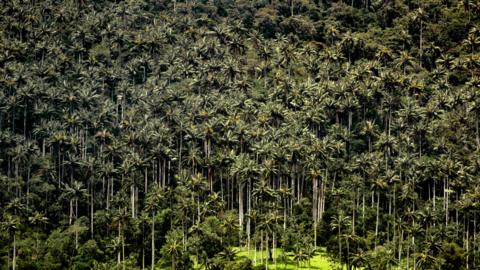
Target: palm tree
(37, 220)
(315, 174)
(11, 226)
(426, 261)
(197, 184)
(419, 16)
(153, 202)
(361, 259)
(378, 186)
(173, 248)
(74, 192)
(339, 223)
(348, 43)
(228, 255)
(310, 251)
(369, 129)
(299, 256)
(77, 228)
(405, 60)
(120, 218)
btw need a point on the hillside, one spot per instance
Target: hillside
(166, 134)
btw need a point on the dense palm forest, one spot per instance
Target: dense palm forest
(164, 134)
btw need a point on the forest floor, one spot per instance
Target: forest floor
(319, 262)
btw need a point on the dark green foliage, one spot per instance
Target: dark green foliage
(143, 134)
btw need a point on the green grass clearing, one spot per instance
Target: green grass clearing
(320, 261)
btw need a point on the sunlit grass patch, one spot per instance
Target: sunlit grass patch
(286, 260)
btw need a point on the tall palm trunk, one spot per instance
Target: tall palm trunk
(266, 251)
(377, 219)
(414, 256)
(274, 246)
(14, 261)
(240, 209)
(119, 251)
(477, 131)
(123, 251)
(339, 247)
(76, 218)
(153, 240)
(254, 251)
(314, 209)
(91, 211)
(408, 254)
(421, 42)
(132, 199)
(249, 194)
(71, 213)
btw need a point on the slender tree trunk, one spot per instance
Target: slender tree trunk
(132, 199)
(415, 256)
(123, 251)
(408, 254)
(71, 213)
(255, 251)
(76, 218)
(91, 211)
(377, 219)
(474, 243)
(274, 245)
(267, 253)
(363, 211)
(339, 246)
(314, 210)
(153, 240)
(421, 42)
(240, 209)
(119, 239)
(477, 131)
(285, 202)
(348, 253)
(14, 261)
(446, 192)
(249, 194)
(261, 247)
(28, 184)
(467, 245)
(400, 246)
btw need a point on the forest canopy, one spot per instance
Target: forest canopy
(172, 134)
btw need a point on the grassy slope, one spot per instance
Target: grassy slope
(320, 261)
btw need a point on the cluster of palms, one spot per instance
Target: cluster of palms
(163, 133)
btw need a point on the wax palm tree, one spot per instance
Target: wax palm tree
(120, 218)
(299, 256)
(153, 201)
(340, 223)
(38, 220)
(420, 16)
(197, 184)
(228, 255)
(426, 261)
(77, 228)
(173, 248)
(10, 224)
(362, 259)
(74, 192)
(405, 60)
